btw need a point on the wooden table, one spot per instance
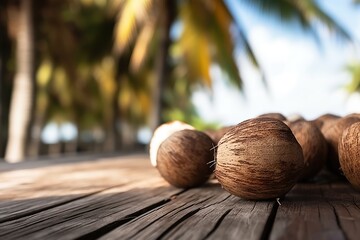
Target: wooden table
(125, 198)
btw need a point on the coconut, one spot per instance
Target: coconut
(295, 118)
(349, 154)
(259, 159)
(216, 135)
(161, 133)
(325, 120)
(353, 115)
(185, 158)
(275, 115)
(332, 134)
(313, 145)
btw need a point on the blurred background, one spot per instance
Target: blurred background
(101, 75)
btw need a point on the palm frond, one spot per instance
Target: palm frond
(243, 41)
(134, 103)
(243, 37)
(315, 12)
(129, 20)
(142, 45)
(282, 9)
(354, 71)
(222, 40)
(303, 12)
(115, 5)
(195, 45)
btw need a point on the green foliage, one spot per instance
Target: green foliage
(354, 70)
(80, 79)
(204, 40)
(199, 45)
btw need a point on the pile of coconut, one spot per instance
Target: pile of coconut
(260, 158)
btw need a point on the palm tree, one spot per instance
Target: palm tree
(6, 73)
(143, 28)
(22, 95)
(75, 41)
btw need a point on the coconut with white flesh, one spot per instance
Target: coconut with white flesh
(162, 133)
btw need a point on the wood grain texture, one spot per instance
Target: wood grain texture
(317, 211)
(160, 222)
(88, 215)
(21, 190)
(125, 198)
(346, 205)
(247, 220)
(208, 213)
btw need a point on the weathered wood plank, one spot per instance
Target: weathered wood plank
(35, 179)
(346, 204)
(71, 158)
(207, 212)
(125, 198)
(91, 215)
(306, 214)
(21, 190)
(247, 220)
(156, 223)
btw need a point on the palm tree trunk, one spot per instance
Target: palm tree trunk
(162, 67)
(21, 99)
(1, 104)
(116, 117)
(33, 149)
(5, 89)
(112, 140)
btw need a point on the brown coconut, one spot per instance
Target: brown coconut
(259, 159)
(275, 115)
(332, 134)
(325, 120)
(161, 133)
(295, 118)
(349, 154)
(185, 158)
(353, 115)
(313, 145)
(216, 135)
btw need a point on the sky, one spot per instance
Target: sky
(303, 77)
